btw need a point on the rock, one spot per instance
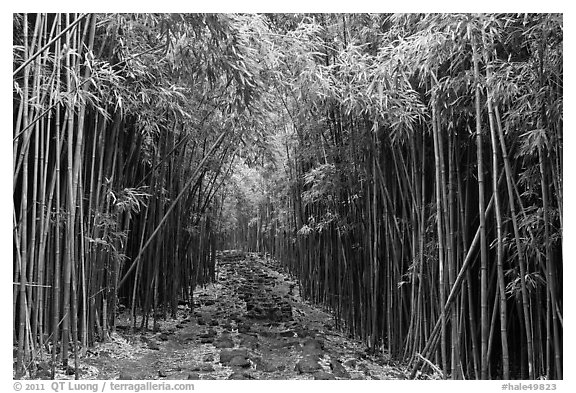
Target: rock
(351, 363)
(307, 364)
(224, 342)
(312, 347)
(265, 365)
(153, 345)
(323, 375)
(162, 374)
(249, 341)
(338, 369)
(240, 361)
(241, 375)
(226, 355)
(208, 358)
(194, 376)
(206, 367)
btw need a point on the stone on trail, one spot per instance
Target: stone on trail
(207, 367)
(323, 375)
(208, 358)
(240, 361)
(153, 345)
(338, 369)
(241, 375)
(226, 355)
(267, 365)
(249, 341)
(224, 342)
(313, 347)
(308, 364)
(351, 363)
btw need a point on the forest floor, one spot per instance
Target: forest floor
(250, 324)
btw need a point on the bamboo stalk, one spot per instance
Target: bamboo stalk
(499, 229)
(481, 209)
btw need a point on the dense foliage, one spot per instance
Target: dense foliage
(406, 168)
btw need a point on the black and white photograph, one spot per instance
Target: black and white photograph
(347, 196)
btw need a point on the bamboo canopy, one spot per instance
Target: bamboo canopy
(406, 169)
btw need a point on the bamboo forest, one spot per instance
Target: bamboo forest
(287, 196)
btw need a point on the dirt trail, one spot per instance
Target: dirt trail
(250, 324)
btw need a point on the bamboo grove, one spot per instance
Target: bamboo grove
(419, 195)
(124, 129)
(407, 169)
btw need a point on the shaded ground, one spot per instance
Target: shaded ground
(251, 324)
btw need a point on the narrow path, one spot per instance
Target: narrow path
(251, 324)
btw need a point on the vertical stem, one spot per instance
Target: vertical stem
(440, 231)
(482, 217)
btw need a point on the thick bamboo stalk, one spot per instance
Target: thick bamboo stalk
(23, 260)
(499, 229)
(483, 245)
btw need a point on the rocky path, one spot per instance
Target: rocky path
(251, 324)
